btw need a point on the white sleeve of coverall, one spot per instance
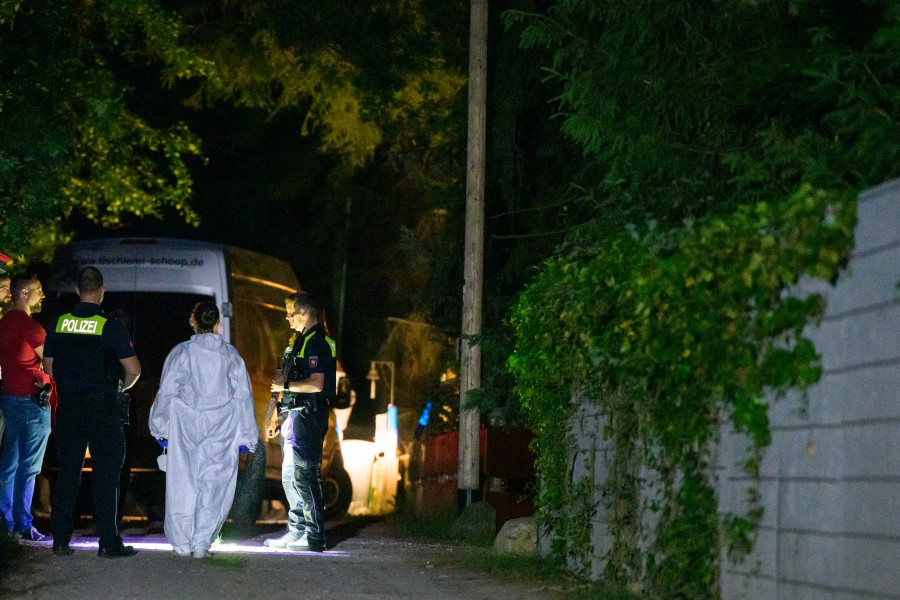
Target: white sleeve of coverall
(248, 432)
(168, 390)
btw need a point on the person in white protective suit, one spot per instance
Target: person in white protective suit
(204, 408)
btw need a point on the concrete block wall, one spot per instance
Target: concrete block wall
(831, 478)
(830, 481)
(592, 459)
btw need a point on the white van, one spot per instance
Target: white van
(155, 283)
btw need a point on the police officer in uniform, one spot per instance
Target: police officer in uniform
(92, 360)
(307, 386)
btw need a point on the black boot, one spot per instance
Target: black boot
(61, 549)
(116, 549)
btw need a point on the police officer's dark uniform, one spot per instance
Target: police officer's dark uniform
(312, 352)
(86, 347)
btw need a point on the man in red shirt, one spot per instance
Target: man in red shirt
(4, 300)
(27, 424)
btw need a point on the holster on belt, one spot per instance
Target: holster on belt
(123, 405)
(301, 402)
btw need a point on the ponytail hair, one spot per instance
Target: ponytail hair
(206, 315)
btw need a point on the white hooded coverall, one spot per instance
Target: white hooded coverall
(204, 407)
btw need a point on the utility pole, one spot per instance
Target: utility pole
(468, 489)
(342, 286)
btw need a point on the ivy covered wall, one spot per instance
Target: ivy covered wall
(830, 480)
(668, 333)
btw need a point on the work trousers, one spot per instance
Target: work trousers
(308, 428)
(75, 431)
(295, 526)
(24, 443)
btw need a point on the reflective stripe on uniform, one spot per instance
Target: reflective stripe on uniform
(81, 325)
(302, 353)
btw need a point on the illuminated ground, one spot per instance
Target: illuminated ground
(158, 543)
(364, 561)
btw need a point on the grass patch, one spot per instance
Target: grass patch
(595, 591)
(441, 526)
(474, 526)
(526, 568)
(226, 561)
(437, 526)
(538, 569)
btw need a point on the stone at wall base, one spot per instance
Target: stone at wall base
(517, 536)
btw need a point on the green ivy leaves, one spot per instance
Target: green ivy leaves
(689, 325)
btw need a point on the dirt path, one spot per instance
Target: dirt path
(365, 562)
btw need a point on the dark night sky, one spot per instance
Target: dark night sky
(266, 188)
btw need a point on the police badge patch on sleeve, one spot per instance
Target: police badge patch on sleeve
(313, 361)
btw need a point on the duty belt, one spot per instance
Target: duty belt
(310, 402)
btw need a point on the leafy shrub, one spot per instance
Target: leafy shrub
(670, 332)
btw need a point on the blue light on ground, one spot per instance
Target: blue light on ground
(159, 544)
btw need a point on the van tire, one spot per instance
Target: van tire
(337, 491)
(248, 494)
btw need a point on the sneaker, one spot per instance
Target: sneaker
(283, 541)
(305, 545)
(201, 553)
(32, 535)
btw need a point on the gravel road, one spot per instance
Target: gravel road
(364, 561)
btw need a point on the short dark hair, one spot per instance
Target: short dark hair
(206, 315)
(90, 280)
(306, 301)
(20, 282)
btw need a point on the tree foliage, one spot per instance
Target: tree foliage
(733, 136)
(70, 140)
(85, 135)
(685, 108)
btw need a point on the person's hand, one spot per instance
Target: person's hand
(163, 442)
(242, 449)
(277, 384)
(41, 396)
(272, 428)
